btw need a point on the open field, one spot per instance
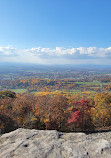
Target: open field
(19, 90)
(36, 78)
(88, 83)
(43, 85)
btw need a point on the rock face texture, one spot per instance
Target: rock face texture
(25, 143)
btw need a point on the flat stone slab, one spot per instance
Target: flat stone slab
(26, 143)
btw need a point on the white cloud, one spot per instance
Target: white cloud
(59, 55)
(9, 51)
(60, 51)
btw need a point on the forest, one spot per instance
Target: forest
(63, 112)
(61, 99)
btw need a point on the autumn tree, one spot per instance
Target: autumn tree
(80, 117)
(22, 110)
(52, 111)
(7, 94)
(102, 109)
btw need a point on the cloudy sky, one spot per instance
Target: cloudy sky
(55, 32)
(58, 55)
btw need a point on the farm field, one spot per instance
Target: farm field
(35, 78)
(69, 86)
(19, 90)
(88, 83)
(49, 85)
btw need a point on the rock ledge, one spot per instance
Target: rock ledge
(25, 143)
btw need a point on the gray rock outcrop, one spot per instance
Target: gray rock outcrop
(25, 143)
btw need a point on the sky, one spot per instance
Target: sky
(55, 32)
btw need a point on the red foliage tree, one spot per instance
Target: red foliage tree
(80, 115)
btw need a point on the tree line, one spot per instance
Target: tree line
(75, 112)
